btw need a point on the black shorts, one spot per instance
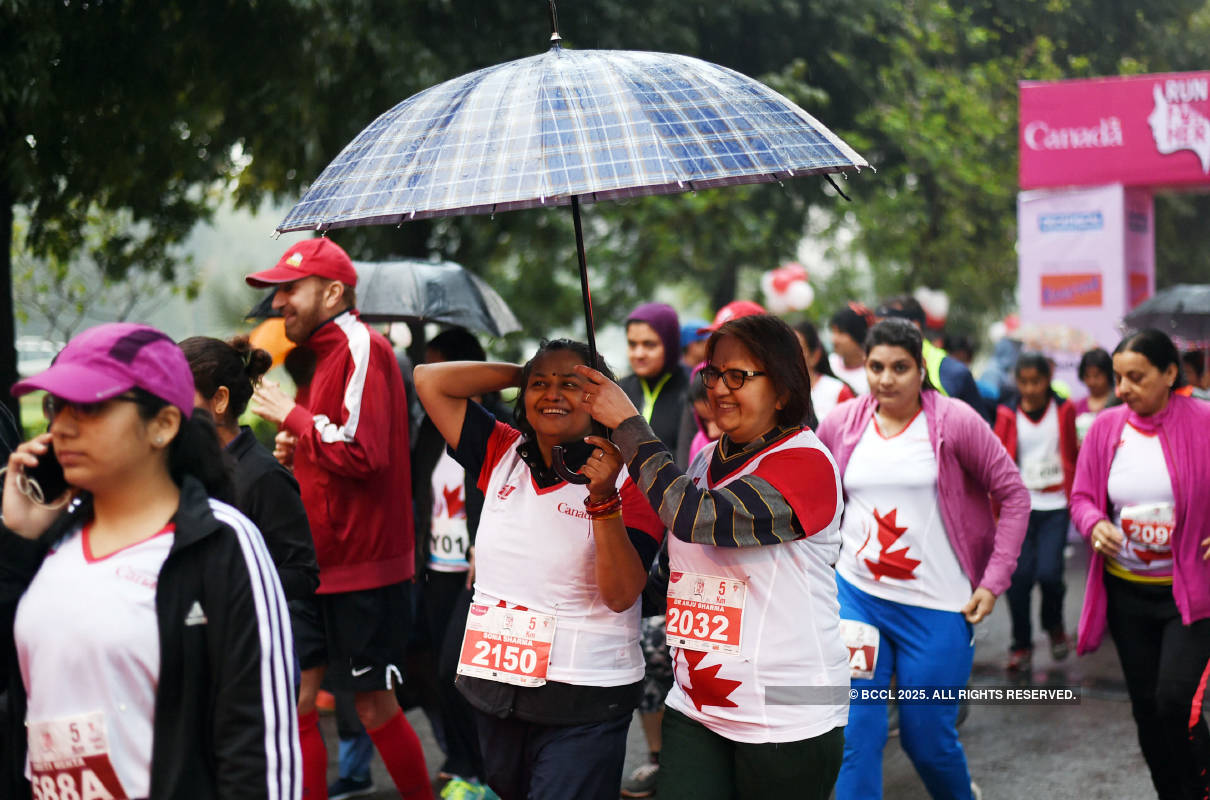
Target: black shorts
(361, 636)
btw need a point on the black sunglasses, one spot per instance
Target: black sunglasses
(734, 378)
(52, 405)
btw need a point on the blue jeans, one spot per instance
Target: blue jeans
(1040, 562)
(922, 647)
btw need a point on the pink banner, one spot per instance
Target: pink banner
(1148, 130)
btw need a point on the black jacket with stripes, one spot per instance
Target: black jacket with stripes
(217, 732)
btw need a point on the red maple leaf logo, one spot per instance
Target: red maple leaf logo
(706, 688)
(454, 504)
(1147, 556)
(891, 564)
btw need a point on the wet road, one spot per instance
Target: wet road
(1087, 751)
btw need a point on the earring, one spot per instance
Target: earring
(159, 440)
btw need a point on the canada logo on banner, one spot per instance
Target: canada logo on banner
(1145, 130)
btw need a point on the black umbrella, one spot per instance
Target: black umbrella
(1181, 311)
(422, 291)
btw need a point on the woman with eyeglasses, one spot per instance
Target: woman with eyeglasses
(148, 643)
(752, 619)
(922, 560)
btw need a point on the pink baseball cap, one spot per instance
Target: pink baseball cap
(321, 257)
(734, 309)
(105, 361)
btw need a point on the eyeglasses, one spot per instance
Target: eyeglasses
(734, 378)
(52, 405)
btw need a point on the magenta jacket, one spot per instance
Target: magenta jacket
(1182, 428)
(971, 465)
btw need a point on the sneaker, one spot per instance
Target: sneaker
(1060, 645)
(641, 782)
(1019, 659)
(350, 787)
(462, 789)
(976, 792)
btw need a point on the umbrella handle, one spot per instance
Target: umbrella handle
(560, 467)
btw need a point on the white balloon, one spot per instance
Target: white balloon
(800, 295)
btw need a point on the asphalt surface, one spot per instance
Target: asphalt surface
(1087, 751)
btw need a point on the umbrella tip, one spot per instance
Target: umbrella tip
(555, 38)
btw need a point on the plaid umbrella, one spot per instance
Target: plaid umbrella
(562, 127)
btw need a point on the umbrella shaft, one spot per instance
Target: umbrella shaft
(585, 294)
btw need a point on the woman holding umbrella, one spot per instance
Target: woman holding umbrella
(550, 659)
(1139, 500)
(752, 594)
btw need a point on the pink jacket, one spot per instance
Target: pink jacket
(971, 464)
(1182, 428)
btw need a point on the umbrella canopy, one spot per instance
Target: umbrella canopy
(422, 291)
(564, 127)
(589, 124)
(1181, 311)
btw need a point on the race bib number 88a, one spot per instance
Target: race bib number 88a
(69, 760)
(705, 612)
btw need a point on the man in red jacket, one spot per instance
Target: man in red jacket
(346, 434)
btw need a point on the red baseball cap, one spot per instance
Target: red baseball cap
(321, 257)
(734, 309)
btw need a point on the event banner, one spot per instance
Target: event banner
(1085, 258)
(1146, 130)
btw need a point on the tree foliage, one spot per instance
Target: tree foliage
(156, 111)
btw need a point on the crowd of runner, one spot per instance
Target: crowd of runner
(726, 541)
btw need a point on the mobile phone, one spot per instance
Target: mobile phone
(48, 475)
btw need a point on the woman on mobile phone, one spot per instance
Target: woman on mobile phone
(147, 634)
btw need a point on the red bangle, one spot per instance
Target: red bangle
(590, 505)
(614, 515)
(613, 507)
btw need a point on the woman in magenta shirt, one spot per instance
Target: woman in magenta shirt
(1139, 500)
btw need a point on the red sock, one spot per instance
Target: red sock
(314, 756)
(400, 749)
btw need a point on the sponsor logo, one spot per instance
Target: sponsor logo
(505, 491)
(1176, 124)
(572, 511)
(357, 672)
(1140, 288)
(196, 616)
(1072, 221)
(478, 609)
(1071, 290)
(1107, 133)
(295, 259)
(1137, 221)
(143, 579)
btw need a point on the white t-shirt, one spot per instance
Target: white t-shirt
(790, 629)
(88, 641)
(894, 542)
(535, 550)
(1039, 459)
(1140, 490)
(855, 377)
(449, 539)
(826, 395)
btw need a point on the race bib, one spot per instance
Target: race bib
(705, 612)
(69, 760)
(1042, 473)
(449, 543)
(862, 641)
(507, 645)
(1149, 525)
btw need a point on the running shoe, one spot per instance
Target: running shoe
(462, 789)
(1019, 659)
(976, 792)
(641, 782)
(344, 788)
(1060, 645)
